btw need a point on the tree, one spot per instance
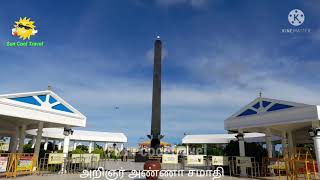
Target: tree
(27, 148)
(83, 148)
(97, 146)
(252, 150)
(215, 151)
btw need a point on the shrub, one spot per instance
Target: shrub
(77, 151)
(27, 148)
(83, 148)
(99, 151)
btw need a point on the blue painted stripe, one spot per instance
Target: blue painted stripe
(265, 103)
(247, 112)
(62, 107)
(52, 100)
(257, 105)
(42, 98)
(278, 106)
(28, 100)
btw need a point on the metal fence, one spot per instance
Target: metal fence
(75, 165)
(72, 165)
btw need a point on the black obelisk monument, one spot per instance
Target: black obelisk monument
(156, 97)
(153, 163)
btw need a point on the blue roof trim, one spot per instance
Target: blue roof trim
(247, 112)
(42, 97)
(278, 106)
(28, 100)
(257, 105)
(52, 100)
(265, 103)
(62, 107)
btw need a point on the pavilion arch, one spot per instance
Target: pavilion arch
(291, 121)
(35, 110)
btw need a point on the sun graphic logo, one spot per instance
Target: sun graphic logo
(24, 28)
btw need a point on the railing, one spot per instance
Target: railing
(13, 164)
(293, 168)
(71, 165)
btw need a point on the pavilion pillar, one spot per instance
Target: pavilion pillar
(22, 136)
(187, 150)
(105, 146)
(316, 142)
(290, 143)
(59, 145)
(14, 142)
(270, 148)
(54, 142)
(65, 151)
(269, 143)
(75, 145)
(38, 143)
(284, 141)
(45, 146)
(38, 139)
(242, 152)
(66, 142)
(121, 147)
(90, 147)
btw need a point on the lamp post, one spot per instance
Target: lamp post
(66, 133)
(240, 138)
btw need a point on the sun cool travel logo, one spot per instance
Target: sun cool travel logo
(24, 29)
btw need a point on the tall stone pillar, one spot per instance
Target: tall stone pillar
(156, 97)
(22, 137)
(37, 145)
(269, 143)
(38, 139)
(291, 146)
(14, 141)
(284, 141)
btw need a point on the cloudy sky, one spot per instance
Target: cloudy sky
(218, 55)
